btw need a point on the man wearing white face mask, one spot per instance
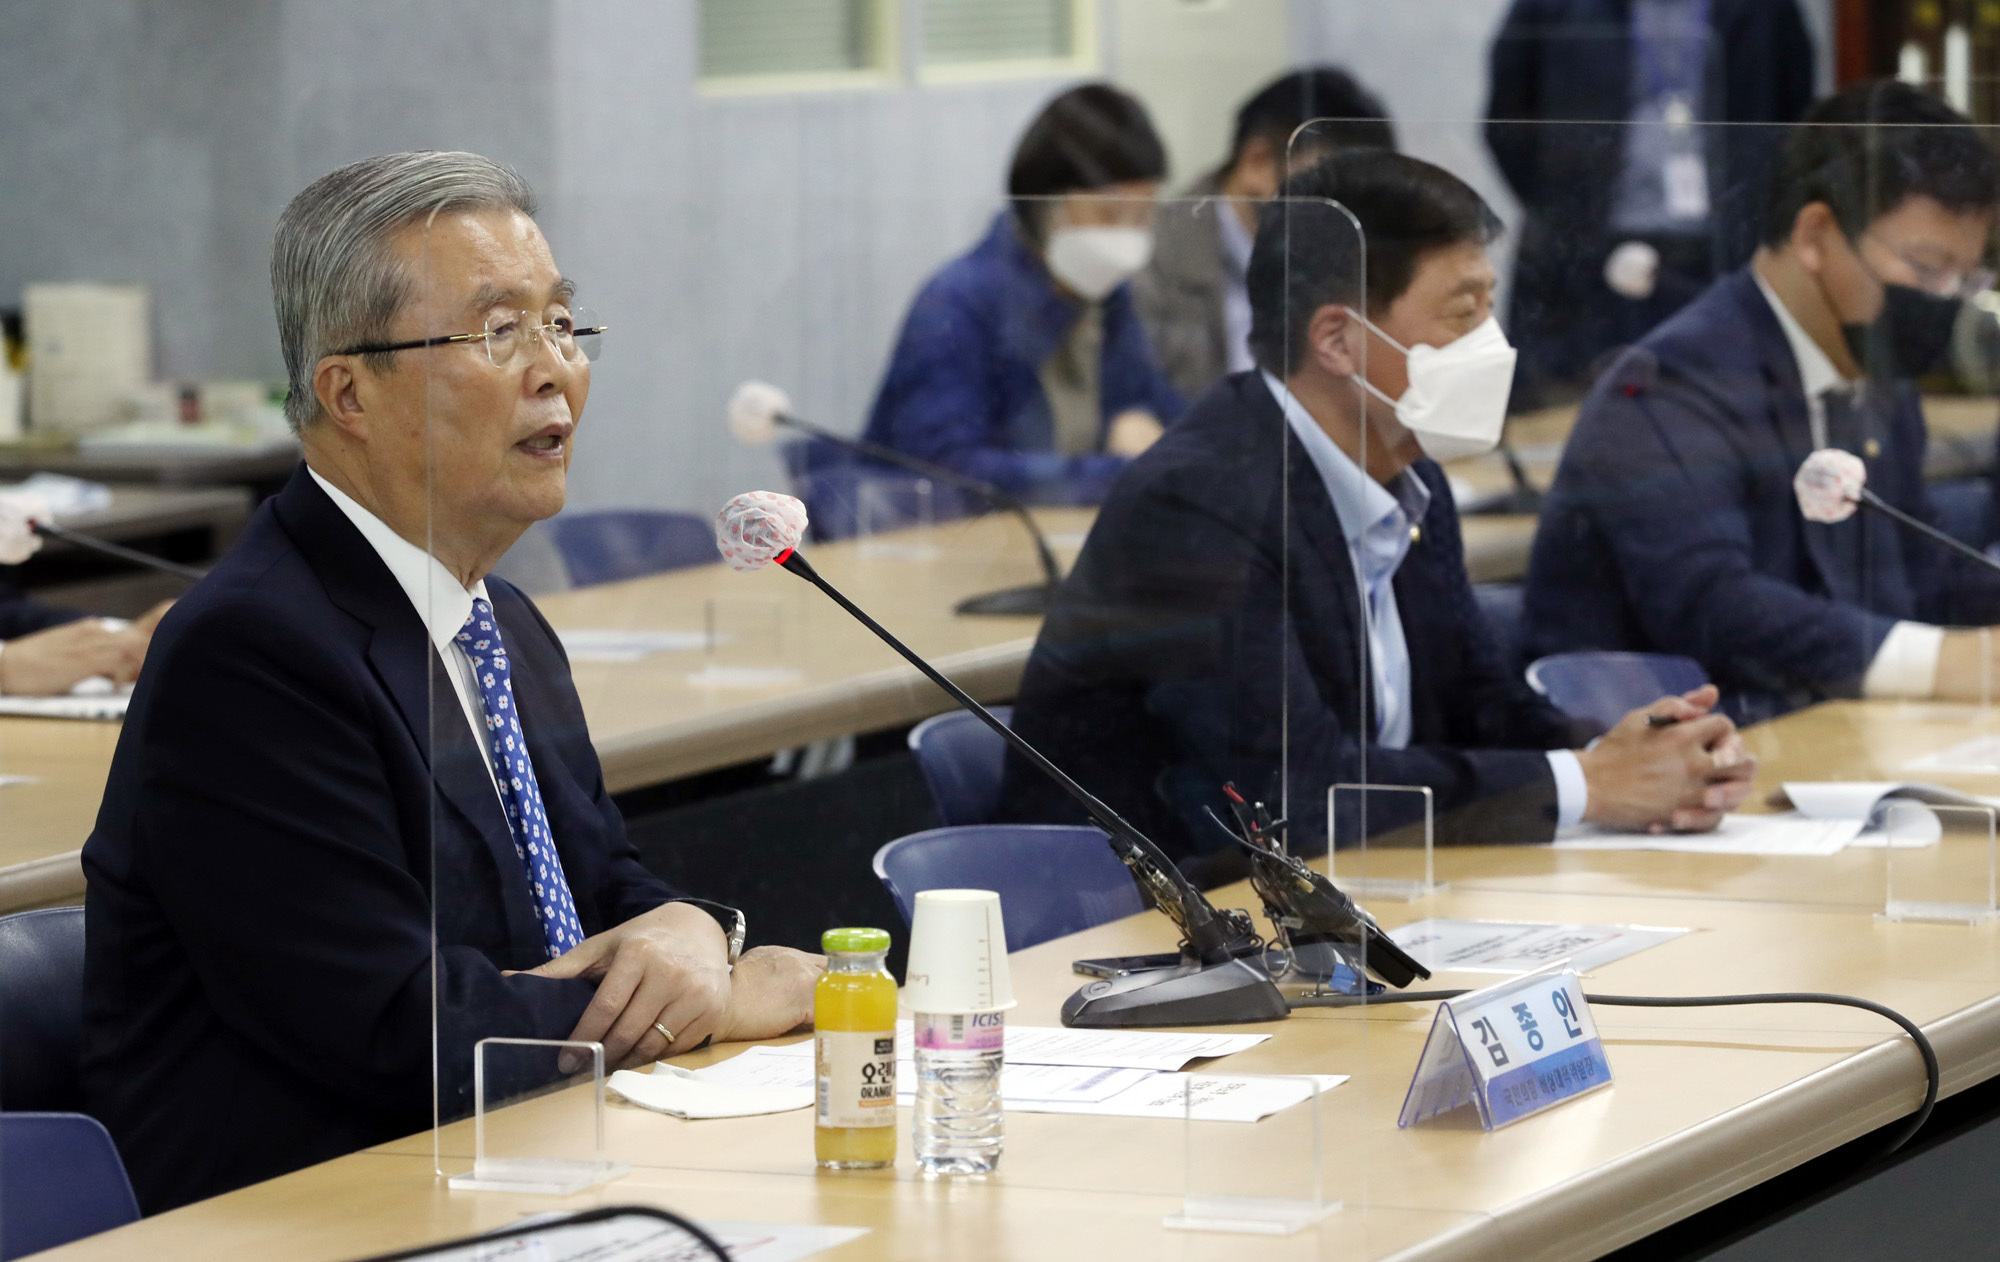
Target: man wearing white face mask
(1275, 595)
(1022, 363)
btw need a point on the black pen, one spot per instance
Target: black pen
(1662, 720)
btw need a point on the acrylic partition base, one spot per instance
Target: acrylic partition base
(1260, 1178)
(1942, 864)
(514, 1072)
(1362, 884)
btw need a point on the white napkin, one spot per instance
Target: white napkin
(685, 1093)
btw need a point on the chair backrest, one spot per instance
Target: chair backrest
(961, 759)
(60, 1180)
(41, 1009)
(608, 546)
(1608, 686)
(1052, 879)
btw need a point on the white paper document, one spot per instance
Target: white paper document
(626, 646)
(1494, 946)
(697, 1094)
(1978, 756)
(1738, 834)
(638, 1238)
(1105, 1091)
(102, 707)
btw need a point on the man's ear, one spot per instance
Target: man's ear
(1810, 235)
(1331, 341)
(339, 393)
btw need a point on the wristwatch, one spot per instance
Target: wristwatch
(734, 926)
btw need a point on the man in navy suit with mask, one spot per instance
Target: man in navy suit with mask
(1672, 525)
(354, 793)
(1275, 594)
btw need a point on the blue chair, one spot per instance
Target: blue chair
(961, 759)
(1608, 686)
(608, 546)
(1053, 879)
(41, 1010)
(60, 1180)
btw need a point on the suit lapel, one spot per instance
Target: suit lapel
(406, 662)
(1327, 567)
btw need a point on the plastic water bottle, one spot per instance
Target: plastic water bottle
(959, 1127)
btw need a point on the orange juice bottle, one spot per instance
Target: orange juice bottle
(854, 1015)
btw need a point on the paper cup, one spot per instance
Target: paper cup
(958, 954)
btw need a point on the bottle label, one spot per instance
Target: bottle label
(857, 1077)
(961, 1032)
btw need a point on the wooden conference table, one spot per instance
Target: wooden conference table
(1705, 1102)
(791, 667)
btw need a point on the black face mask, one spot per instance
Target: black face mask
(1908, 338)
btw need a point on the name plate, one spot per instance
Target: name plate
(1510, 1050)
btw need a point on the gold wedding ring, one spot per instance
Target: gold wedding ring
(665, 1033)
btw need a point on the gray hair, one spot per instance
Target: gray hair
(334, 279)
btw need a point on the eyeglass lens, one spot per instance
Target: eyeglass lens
(571, 333)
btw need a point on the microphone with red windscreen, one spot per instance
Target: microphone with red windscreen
(1832, 484)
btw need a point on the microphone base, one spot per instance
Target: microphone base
(1012, 602)
(1228, 993)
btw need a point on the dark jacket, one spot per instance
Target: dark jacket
(1672, 526)
(1561, 76)
(963, 388)
(1183, 646)
(270, 855)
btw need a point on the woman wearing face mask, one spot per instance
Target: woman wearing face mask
(1021, 363)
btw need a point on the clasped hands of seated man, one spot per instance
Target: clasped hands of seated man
(49, 663)
(669, 969)
(1685, 776)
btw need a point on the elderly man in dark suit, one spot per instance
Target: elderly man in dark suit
(1275, 594)
(1672, 526)
(354, 788)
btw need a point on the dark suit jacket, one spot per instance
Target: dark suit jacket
(1561, 75)
(270, 855)
(1183, 643)
(1672, 526)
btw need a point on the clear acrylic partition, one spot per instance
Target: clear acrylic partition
(1618, 514)
(1942, 862)
(751, 733)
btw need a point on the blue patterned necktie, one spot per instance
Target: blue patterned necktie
(529, 824)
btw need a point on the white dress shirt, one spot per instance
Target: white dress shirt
(435, 594)
(1377, 522)
(1906, 663)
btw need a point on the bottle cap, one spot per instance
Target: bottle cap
(853, 941)
(958, 954)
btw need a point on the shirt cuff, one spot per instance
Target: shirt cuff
(1906, 664)
(1572, 790)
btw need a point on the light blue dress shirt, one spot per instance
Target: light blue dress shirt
(1377, 522)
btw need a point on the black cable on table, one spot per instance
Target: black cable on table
(1924, 1048)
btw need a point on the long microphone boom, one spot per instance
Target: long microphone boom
(757, 407)
(189, 572)
(1214, 984)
